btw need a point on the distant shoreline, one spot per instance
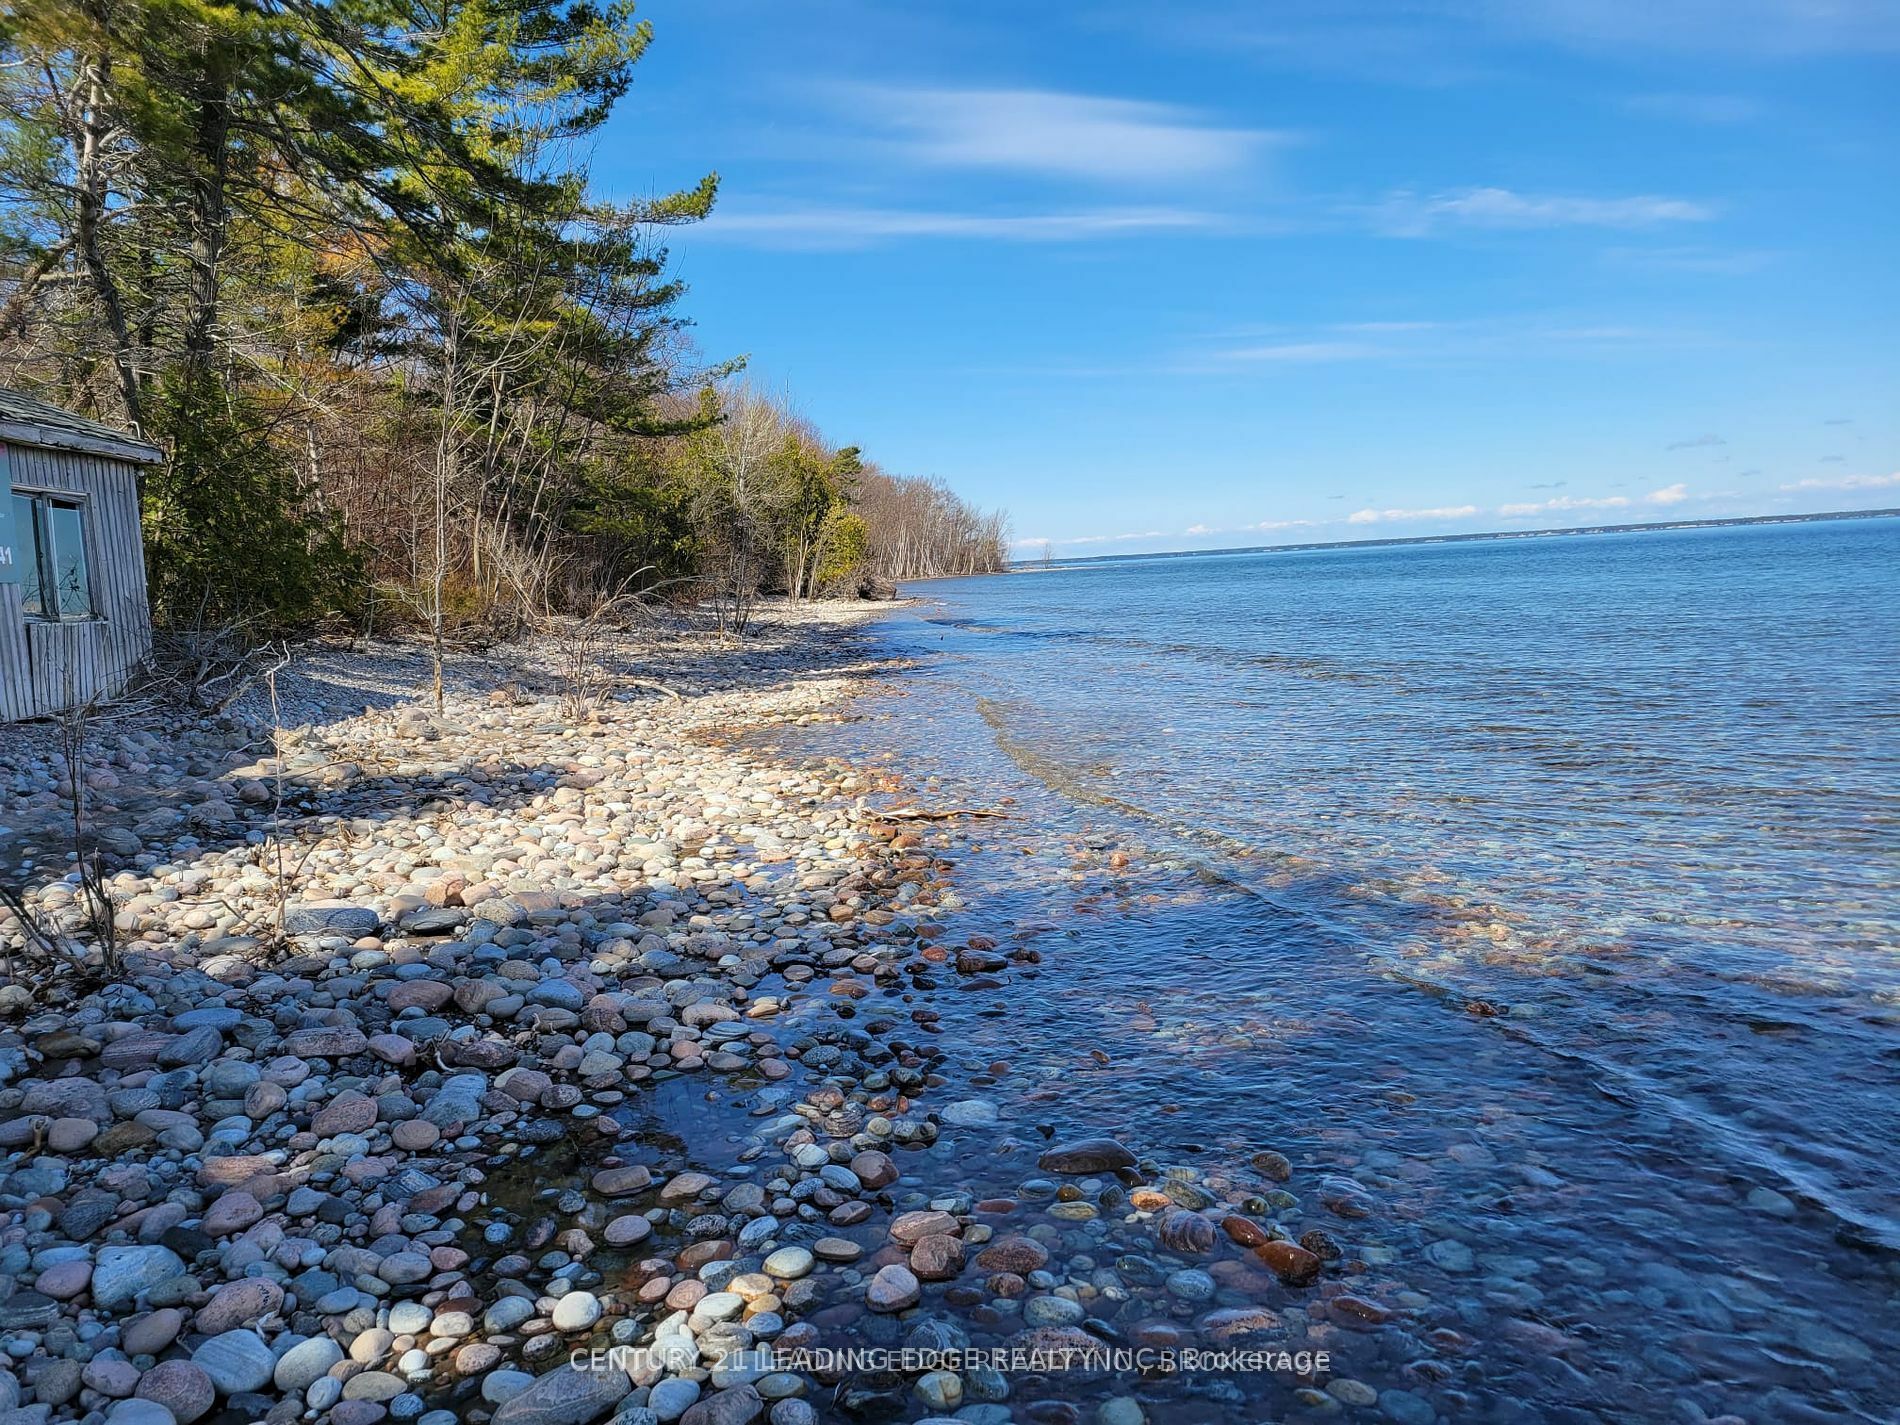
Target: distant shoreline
(1020, 565)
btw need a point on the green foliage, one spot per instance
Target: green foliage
(642, 518)
(844, 544)
(231, 536)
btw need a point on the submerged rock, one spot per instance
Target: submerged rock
(1086, 1155)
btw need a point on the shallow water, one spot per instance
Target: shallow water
(1544, 889)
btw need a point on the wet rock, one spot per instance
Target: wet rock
(566, 1396)
(1293, 1265)
(789, 1263)
(1241, 1324)
(893, 1289)
(238, 1303)
(234, 1362)
(181, 1387)
(936, 1258)
(122, 1274)
(1185, 1232)
(151, 1333)
(911, 1227)
(625, 1231)
(1244, 1230)
(1086, 1155)
(1020, 1255)
(737, 1406)
(625, 1181)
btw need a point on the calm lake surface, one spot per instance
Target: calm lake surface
(1540, 891)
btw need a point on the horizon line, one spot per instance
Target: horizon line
(1708, 523)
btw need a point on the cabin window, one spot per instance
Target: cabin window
(51, 530)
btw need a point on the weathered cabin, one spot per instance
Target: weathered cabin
(74, 621)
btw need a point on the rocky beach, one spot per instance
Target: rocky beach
(451, 1047)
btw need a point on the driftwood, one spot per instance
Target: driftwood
(934, 813)
(649, 684)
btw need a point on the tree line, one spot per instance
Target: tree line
(343, 261)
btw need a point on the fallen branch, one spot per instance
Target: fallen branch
(649, 683)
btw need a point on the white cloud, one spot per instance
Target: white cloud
(1848, 482)
(1270, 525)
(1069, 135)
(1668, 495)
(1297, 353)
(1560, 503)
(1198, 529)
(1115, 538)
(847, 227)
(1412, 215)
(1443, 512)
(1512, 338)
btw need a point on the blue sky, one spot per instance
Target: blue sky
(1209, 273)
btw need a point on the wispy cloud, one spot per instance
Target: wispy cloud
(1301, 353)
(1049, 132)
(1515, 338)
(1115, 538)
(1668, 495)
(1562, 503)
(1847, 482)
(1407, 214)
(1442, 512)
(843, 227)
(1695, 442)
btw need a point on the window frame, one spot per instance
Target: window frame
(45, 549)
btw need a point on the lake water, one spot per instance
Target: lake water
(1539, 892)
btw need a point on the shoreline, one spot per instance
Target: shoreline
(594, 1058)
(256, 1186)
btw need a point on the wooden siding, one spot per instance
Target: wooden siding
(45, 666)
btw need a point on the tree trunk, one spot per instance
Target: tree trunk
(209, 215)
(90, 194)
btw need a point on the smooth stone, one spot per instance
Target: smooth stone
(576, 1311)
(122, 1274)
(1086, 1155)
(181, 1387)
(139, 1412)
(1053, 1311)
(672, 1398)
(236, 1361)
(304, 1363)
(970, 1113)
(788, 1263)
(566, 1396)
(892, 1289)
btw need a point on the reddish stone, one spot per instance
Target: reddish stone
(936, 1258)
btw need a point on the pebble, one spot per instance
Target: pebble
(893, 1288)
(235, 1361)
(789, 1263)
